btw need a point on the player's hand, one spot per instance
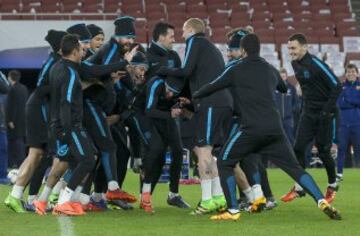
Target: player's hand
(129, 55)
(113, 119)
(118, 75)
(187, 113)
(11, 125)
(175, 112)
(184, 100)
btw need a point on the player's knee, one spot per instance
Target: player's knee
(88, 163)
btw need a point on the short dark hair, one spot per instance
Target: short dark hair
(14, 75)
(69, 43)
(352, 66)
(161, 28)
(298, 37)
(251, 44)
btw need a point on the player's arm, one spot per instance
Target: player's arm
(329, 78)
(97, 58)
(66, 98)
(90, 70)
(190, 61)
(152, 97)
(221, 82)
(281, 86)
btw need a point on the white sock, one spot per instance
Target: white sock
(216, 189)
(146, 188)
(233, 211)
(248, 193)
(257, 191)
(57, 188)
(333, 185)
(113, 185)
(45, 194)
(171, 194)
(320, 201)
(76, 196)
(17, 191)
(206, 189)
(84, 199)
(65, 196)
(298, 187)
(31, 199)
(97, 196)
(339, 174)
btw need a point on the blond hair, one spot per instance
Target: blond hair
(196, 24)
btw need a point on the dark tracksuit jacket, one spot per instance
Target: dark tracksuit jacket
(349, 133)
(254, 81)
(110, 52)
(36, 113)
(202, 63)
(159, 56)
(320, 89)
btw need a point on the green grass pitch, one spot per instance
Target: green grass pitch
(300, 217)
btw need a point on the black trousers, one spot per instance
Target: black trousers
(321, 128)
(164, 133)
(16, 151)
(78, 150)
(276, 147)
(96, 124)
(36, 179)
(256, 173)
(123, 153)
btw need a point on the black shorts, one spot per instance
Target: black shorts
(212, 126)
(77, 145)
(36, 118)
(96, 125)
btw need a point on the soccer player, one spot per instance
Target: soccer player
(36, 125)
(159, 54)
(349, 103)
(202, 62)
(320, 89)
(97, 39)
(254, 81)
(160, 110)
(114, 50)
(242, 172)
(86, 71)
(66, 109)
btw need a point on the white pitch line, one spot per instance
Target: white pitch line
(66, 226)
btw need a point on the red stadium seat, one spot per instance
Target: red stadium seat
(86, 17)
(261, 24)
(329, 40)
(91, 8)
(112, 8)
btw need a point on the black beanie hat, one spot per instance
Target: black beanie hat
(234, 42)
(81, 30)
(124, 27)
(94, 30)
(139, 59)
(174, 84)
(54, 38)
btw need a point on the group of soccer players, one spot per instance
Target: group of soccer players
(92, 97)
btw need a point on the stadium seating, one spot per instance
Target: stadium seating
(324, 22)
